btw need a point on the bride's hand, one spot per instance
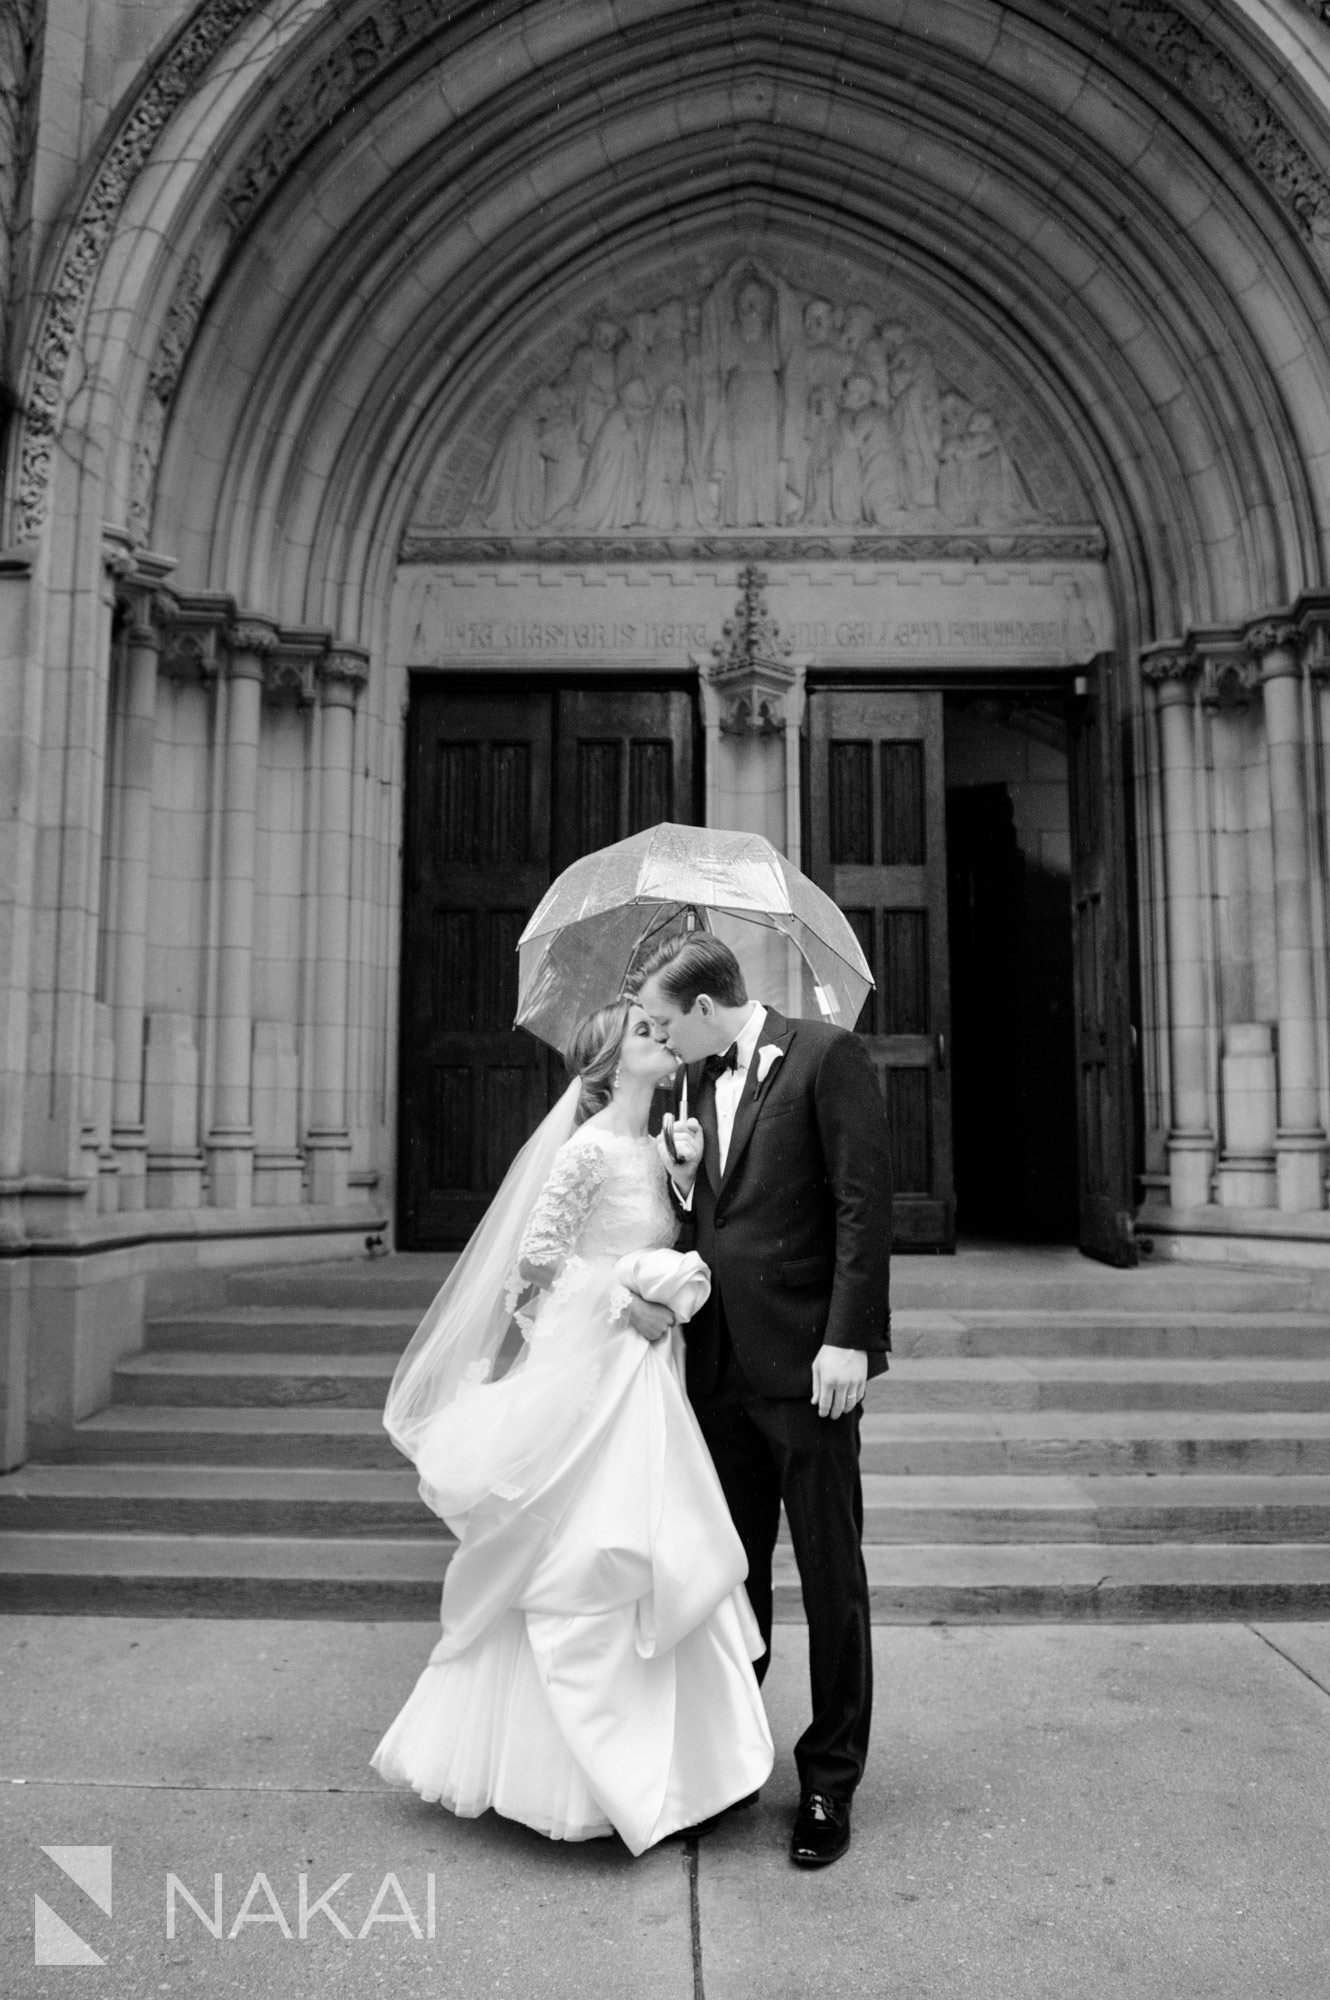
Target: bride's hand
(681, 1164)
(652, 1320)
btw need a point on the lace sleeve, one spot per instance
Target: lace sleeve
(564, 1205)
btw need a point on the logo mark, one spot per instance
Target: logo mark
(54, 1941)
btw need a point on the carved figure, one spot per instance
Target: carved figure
(882, 473)
(744, 344)
(1001, 500)
(820, 439)
(955, 495)
(815, 361)
(751, 406)
(667, 361)
(610, 495)
(868, 352)
(914, 409)
(512, 499)
(667, 486)
(561, 450)
(633, 358)
(592, 374)
(847, 464)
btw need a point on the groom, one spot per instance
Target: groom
(792, 1211)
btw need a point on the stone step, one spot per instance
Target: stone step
(287, 1330)
(1089, 1443)
(1015, 1279)
(243, 1434)
(287, 1577)
(946, 1442)
(213, 1499)
(1179, 1335)
(226, 1378)
(1038, 1382)
(252, 1500)
(955, 1383)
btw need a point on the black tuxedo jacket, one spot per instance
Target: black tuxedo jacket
(797, 1231)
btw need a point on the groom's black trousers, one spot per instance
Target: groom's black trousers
(768, 1450)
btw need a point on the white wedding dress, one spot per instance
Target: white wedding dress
(594, 1672)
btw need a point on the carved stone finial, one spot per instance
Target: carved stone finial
(750, 664)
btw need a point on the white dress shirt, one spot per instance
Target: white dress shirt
(730, 1083)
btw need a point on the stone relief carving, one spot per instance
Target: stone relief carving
(18, 45)
(324, 92)
(1214, 84)
(173, 345)
(169, 84)
(749, 406)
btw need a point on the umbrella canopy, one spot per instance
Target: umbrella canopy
(606, 913)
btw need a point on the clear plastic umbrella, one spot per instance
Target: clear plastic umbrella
(606, 913)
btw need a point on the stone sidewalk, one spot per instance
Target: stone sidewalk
(1128, 1812)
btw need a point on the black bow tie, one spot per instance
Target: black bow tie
(715, 1066)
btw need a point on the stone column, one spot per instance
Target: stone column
(133, 848)
(1172, 670)
(230, 1143)
(341, 675)
(1300, 1139)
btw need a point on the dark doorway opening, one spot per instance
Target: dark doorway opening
(1013, 1056)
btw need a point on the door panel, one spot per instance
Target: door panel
(477, 862)
(1103, 1014)
(877, 845)
(505, 786)
(625, 763)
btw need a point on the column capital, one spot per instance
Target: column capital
(291, 667)
(1228, 672)
(1274, 645)
(342, 673)
(1171, 668)
(249, 642)
(1314, 624)
(193, 625)
(144, 636)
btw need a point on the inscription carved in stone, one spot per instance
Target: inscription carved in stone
(749, 406)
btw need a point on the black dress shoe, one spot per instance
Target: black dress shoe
(703, 1827)
(821, 1830)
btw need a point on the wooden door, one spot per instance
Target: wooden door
(878, 846)
(1100, 960)
(625, 763)
(477, 862)
(505, 786)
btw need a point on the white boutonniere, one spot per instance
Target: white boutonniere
(767, 1057)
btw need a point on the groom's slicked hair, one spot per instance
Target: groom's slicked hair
(697, 963)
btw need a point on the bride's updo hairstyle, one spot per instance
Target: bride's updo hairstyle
(593, 1056)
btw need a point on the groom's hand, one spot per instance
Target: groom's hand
(840, 1376)
(647, 1317)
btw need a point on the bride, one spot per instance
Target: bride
(594, 1671)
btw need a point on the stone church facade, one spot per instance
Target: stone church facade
(439, 439)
